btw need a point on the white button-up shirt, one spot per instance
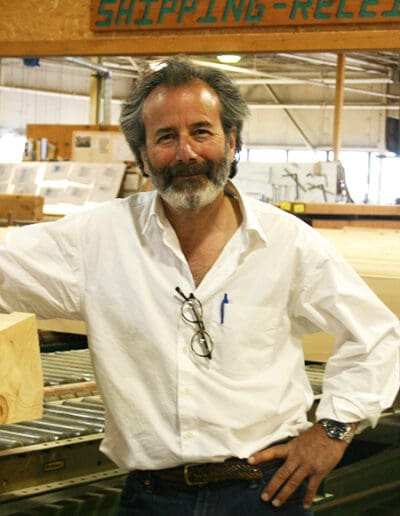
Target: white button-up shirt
(116, 267)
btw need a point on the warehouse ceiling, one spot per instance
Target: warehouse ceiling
(363, 70)
(294, 65)
(296, 91)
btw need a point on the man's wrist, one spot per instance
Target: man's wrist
(338, 430)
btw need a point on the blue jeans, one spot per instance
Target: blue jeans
(154, 497)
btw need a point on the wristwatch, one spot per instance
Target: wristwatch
(337, 430)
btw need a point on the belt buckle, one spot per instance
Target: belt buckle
(186, 474)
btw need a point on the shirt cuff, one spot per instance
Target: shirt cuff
(346, 411)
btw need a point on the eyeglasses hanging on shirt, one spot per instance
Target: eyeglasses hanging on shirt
(192, 312)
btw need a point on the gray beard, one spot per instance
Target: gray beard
(191, 194)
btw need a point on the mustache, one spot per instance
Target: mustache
(191, 169)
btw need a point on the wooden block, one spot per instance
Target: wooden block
(21, 207)
(387, 288)
(21, 379)
(375, 255)
(318, 347)
(62, 325)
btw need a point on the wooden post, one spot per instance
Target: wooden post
(95, 95)
(339, 97)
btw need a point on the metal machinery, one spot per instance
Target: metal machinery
(53, 465)
(367, 480)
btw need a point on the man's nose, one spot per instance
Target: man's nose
(185, 151)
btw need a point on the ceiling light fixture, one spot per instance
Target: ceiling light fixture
(229, 58)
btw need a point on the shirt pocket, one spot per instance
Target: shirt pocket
(248, 338)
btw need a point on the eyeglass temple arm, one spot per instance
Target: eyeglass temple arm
(182, 294)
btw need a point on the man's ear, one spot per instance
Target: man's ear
(145, 163)
(232, 143)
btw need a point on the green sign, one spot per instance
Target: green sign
(133, 15)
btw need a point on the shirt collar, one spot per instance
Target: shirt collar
(250, 223)
(155, 213)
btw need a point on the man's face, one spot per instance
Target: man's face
(187, 154)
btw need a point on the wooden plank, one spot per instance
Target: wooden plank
(373, 210)
(52, 28)
(375, 255)
(202, 42)
(318, 347)
(78, 389)
(21, 207)
(372, 252)
(62, 326)
(358, 223)
(21, 380)
(339, 101)
(387, 289)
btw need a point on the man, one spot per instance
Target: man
(196, 300)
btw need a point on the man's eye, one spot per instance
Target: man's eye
(202, 132)
(165, 138)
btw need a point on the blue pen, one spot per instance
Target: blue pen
(224, 302)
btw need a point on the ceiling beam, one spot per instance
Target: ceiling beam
(62, 28)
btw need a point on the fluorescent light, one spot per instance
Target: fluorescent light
(229, 58)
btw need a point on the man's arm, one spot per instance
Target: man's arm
(311, 455)
(39, 271)
(361, 377)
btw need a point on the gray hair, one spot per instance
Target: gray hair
(176, 71)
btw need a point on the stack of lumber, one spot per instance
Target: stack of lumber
(375, 254)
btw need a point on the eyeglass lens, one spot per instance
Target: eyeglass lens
(192, 312)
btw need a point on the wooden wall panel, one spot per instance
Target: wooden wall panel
(21, 207)
(62, 27)
(61, 135)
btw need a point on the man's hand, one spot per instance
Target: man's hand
(311, 455)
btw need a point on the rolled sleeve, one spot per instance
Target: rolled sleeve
(362, 375)
(39, 270)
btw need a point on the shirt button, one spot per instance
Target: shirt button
(185, 349)
(186, 391)
(188, 435)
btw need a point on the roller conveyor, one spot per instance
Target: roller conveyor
(66, 375)
(57, 451)
(53, 465)
(62, 448)
(64, 420)
(66, 367)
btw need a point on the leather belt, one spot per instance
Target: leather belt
(202, 474)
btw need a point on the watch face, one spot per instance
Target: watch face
(337, 430)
